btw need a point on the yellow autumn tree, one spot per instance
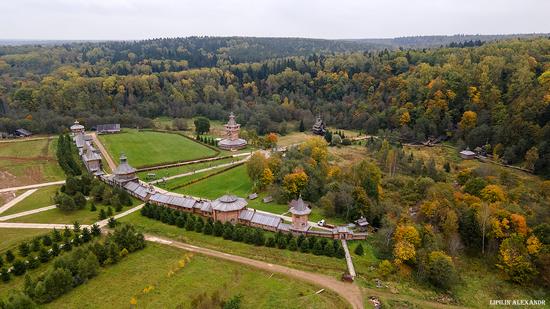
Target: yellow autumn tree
(468, 121)
(405, 119)
(267, 177)
(493, 193)
(407, 233)
(294, 183)
(404, 251)
(533, 245)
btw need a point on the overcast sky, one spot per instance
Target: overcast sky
(140, 19)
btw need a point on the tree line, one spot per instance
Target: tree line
(477, 97)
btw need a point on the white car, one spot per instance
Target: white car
(321, 223)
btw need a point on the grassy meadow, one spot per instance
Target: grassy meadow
(41, 198)
(148, 148)
(157, 266)
(27, 162)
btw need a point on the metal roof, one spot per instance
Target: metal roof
(137, 189)
(174, 200)
(111, 127)
(265, 219)
(229, 203)
(246, 215)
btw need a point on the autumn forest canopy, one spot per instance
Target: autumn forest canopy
(492, 95)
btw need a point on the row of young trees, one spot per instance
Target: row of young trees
(242, 233)
(44, 248)
(78, 266)
(66, 156)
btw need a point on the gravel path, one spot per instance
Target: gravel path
(26, 213)
(104, 152)
(16, 200)
(35, 186)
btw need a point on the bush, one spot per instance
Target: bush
(24, 249)
(441, 271)
(10, 256)
(46, 240)
(292, 245)
(4, 275)
(19, 268)
(270, 242)
(359, 250)
(385, 268)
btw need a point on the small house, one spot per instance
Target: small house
(268, 199)
(22, 133)
(467, 154)
(253, 196)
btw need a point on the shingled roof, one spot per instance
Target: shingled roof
(299, 207)
(124, 168)
(229, 203)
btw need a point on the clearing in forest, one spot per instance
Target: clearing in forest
(150, 148)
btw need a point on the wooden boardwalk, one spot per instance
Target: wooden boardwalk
(351, 269)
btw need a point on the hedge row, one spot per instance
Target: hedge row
(243, 233)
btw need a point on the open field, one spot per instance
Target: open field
(28, 162)
(41, 198)
(171, 171)
(148, 148)
(11, 237)
(234, 181)
(150, 267)
(293, 138)
(327, 265)
(56, 216)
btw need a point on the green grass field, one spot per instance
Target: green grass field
(11, 237)
(147, 148)
(56, 216)
(28, 162)
(117, 284)
(41, 198)
(234, 181)
(171, 171)
(327, 265)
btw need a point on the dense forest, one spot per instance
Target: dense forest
(494, 95)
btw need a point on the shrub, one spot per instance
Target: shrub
(385, 268)
(19, 267)
(4, 275)
(359, 250)
(441, 271)
(207, 230)
(292, 245)
(112, 222)
(10, 256)
(46, 240)
(270, 242)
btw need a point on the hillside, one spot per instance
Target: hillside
(495, 96)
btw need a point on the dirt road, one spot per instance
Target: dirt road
(104, 152)
(348, 291)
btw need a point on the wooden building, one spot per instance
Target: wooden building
(300, 214)
(319, 127)
(227, 208)
(232, 140)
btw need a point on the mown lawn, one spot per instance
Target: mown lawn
(327, 265)
(41, 198)
(171, 171)
(234, 181)
(57, 216)
(117, 284)
(28, 162)
(148, 148)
